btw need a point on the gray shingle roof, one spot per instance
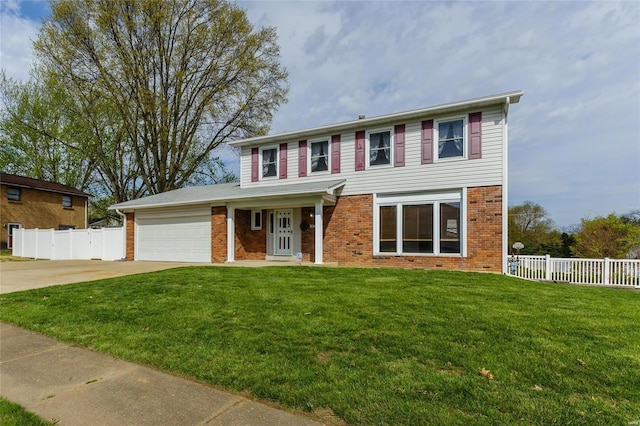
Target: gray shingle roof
(221, 193)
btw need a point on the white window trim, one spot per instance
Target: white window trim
(253, 220)
(262, 149)
(436, 138)
(309, 143)
(435, 199)
(368, 147)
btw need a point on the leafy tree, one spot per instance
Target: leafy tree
(632, 217)
(161, 83)
(530, 224)
(35, 126)
(609, 236)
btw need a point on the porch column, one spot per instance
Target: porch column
(318, 229)
(231, 234)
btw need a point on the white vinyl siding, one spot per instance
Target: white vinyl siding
(173, 235)
(414, 176)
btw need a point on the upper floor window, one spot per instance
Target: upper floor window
(269, 162)
(67, 201)
(380, 147)
(450, 138)
(319, 155)
(14, 194)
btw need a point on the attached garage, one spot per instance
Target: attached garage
(173, 234)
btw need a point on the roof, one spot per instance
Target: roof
(224, 192)
(500, 99)
(43, 185)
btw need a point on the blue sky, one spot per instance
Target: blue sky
(574, 137)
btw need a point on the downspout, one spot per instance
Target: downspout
(505, 188)
(124, 228)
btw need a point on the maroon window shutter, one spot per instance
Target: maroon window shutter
(360, 150)
(283, 161)
(255, 161)
(302, 158)
(427, 142)
(335, 154)
(398, 141)
(475, 135)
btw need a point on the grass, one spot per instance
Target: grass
(6, 256)
(374, 346)
(14, 415)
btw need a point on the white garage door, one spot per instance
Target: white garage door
(174, 235)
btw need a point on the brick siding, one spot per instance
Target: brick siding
(218, 234)
(348, 235)
(250, 244)
(130, 237)
(40, 209)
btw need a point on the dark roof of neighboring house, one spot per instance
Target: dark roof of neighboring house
(43, 185)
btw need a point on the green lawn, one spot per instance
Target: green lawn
(14, 415)
(375, 346)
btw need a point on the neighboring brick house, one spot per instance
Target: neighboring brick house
(424, 188)
(34, 203)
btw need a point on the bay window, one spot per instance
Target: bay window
(419, 224)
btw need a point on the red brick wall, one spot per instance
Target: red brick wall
(348, 235)
(218, 234)
(130, 252)
(250, 244)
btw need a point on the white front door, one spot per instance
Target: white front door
(284, 231)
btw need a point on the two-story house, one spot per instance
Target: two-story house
(34, 203)
(424, 188)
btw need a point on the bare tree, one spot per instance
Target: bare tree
(179, 76)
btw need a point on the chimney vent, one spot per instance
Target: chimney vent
(361, 116)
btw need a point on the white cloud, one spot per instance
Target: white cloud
(16, 37)
(575, 136)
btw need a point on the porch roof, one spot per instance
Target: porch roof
(219, 194)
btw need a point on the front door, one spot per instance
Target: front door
(284, 231)
(10, 228)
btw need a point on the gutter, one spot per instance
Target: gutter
(124, 226)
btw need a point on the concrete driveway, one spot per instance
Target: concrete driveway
(27, 275)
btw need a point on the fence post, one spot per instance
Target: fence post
(606, 274)
(547, 267)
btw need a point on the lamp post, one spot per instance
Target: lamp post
(514, 261)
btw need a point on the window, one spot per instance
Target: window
(256, 220)
(388, 229)
(13, 194)
(450, 138)
(417, 228)
(449, 227)
(66, 227)
(269, 162)
(380, 147)
(67, 201)
(319, 156)
(418, 224)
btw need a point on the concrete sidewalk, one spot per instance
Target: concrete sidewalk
(75, 386)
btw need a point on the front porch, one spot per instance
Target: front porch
(282, 228)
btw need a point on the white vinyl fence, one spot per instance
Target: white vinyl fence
(614, 272)
(104, 244)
